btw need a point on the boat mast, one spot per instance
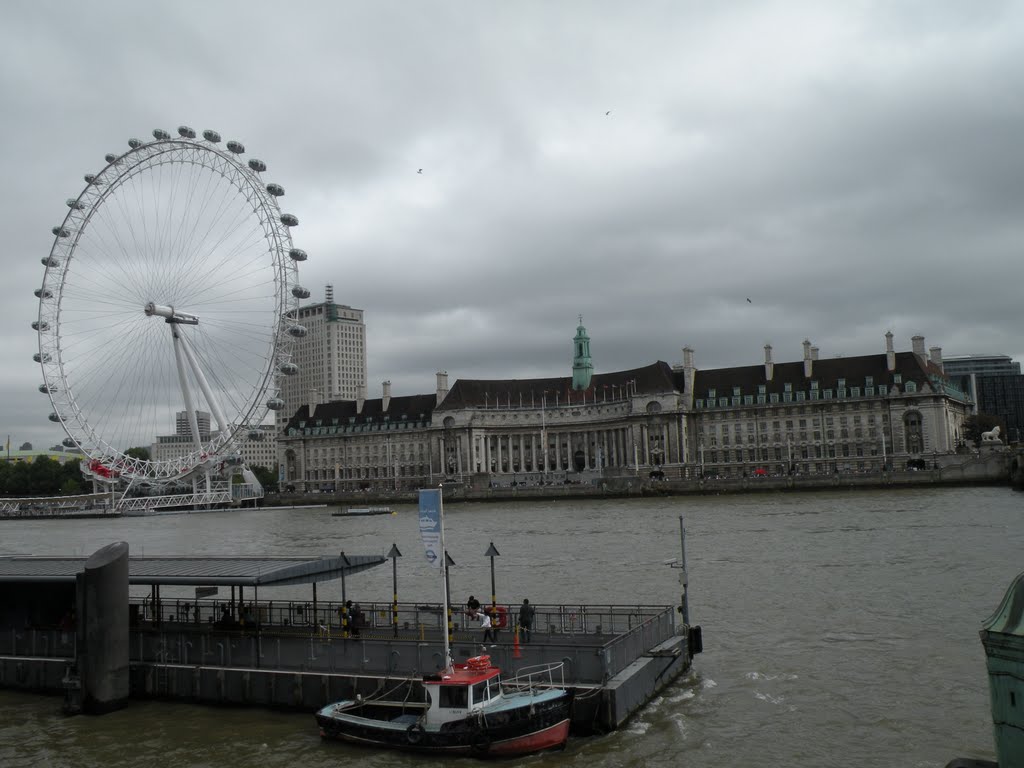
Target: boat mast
(444, 581)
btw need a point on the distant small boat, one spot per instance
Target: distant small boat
(356, 511)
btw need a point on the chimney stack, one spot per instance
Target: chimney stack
(814, 353)
(890, 354)
(935, 353)
(918, 346)
(807, 359)
(769, 366)
(360, 399)
(442, 386)
(688, 370)
(386, 398)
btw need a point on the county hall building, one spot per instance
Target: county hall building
(891, 410)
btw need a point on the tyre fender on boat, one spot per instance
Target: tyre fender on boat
(414, 733)
(480, 741)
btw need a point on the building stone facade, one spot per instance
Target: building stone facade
(892, 410)
(331, 357)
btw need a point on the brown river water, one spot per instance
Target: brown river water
(840, 628)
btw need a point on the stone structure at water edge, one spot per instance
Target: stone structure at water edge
(812, 416)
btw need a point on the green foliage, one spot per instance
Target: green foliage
(42, 477)
(975, 424)
(140, 452)
(267, 477)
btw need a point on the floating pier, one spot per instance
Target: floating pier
(303, 655)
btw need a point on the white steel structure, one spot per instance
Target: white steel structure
(171, 282)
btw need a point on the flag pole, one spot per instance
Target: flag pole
(444, 571)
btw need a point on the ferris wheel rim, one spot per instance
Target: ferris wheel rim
(60, 387)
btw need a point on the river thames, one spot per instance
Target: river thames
(840, 628)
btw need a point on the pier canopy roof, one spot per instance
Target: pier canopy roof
(196, 571)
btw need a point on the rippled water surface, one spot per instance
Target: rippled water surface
(839, 628)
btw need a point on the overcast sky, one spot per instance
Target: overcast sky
(850, 167)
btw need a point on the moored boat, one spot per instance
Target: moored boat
(355, 511)
(467, 710)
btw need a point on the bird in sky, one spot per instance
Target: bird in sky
(749, 301)
(420, 171)
(607, 113)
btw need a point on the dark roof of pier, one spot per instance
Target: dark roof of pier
(196, 571)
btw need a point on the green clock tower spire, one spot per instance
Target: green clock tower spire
(582, 367)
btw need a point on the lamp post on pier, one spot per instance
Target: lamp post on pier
(394, 554)
(492, 553)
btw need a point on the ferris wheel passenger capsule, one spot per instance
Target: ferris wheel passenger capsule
(77, 205)
(161, 135)
(60, 231)
(185, 132)
(49, 261)
(67, 442)
(46, 389)
(288, 369)
(275, 189)
(41, 358)
(43, 293)
(54, 417)
(299, 292)
(255, 435)
(211, 136)
(257, 165)
(90, 178)
(297, 254)
(275, 403)
(289, 219)
(135, 143)
(40, 325)
(236, 146)
(298, 331)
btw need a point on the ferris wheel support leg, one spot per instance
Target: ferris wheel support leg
(185, 391)
(218, 414)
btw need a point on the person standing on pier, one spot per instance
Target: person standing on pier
(526, 613)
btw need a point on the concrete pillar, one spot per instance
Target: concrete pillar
(103, 629)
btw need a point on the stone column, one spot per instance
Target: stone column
(102, 609)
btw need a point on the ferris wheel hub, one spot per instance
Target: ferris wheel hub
(170, 313)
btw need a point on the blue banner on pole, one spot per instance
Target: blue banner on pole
(430, 522)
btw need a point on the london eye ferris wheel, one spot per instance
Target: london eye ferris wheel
(169, 297)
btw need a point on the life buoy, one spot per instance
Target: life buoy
(414, 733)
(500, 617)
(479, 662)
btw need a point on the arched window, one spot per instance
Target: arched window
(654, 407)
(912, 430)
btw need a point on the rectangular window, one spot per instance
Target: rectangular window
(775, 397)
(883, 389)
(800, 396)
(828, 394)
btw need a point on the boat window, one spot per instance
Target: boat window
(453, 696)
(494, 687)
(478, 692)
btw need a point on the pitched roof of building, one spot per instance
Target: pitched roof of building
(826, 372)
(403, 408)
(467, 393)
